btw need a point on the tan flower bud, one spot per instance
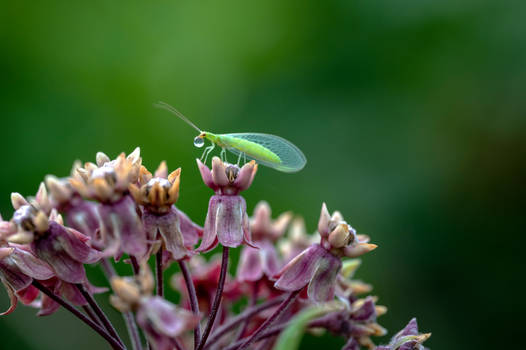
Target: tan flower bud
(145, 279)
(162, 170)
(17, 200)
(58, 189)
(126, 290)
(41, 222)
(359, 249)
(339, 237)
(119, 304)
(23, 237)
(380, 310)
(101, 159)
(359, 287)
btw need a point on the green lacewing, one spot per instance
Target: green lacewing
(270, 150)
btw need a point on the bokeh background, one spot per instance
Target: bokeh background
(411, 114)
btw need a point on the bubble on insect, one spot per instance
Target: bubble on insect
(199, 142)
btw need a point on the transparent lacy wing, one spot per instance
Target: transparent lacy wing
(292, 159)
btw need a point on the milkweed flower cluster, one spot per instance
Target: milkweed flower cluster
(115, 211)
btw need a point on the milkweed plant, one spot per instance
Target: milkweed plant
(287, 282)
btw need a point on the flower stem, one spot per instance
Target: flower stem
(135, 265)
(194, 305)
(129, 319)
(253, 302)
(272, 332)
(265, 334)
(248, 313)
(132, 330)
(217, 299)
(98, 311)
(91, 314)
(279, 311)
(159, 272)
(112, 341)
(108, 269)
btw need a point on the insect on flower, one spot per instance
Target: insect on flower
(270, 150)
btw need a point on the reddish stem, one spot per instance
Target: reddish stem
(253, 302)
(248, 313)
(271, 332)
(91, 314)
(194, 305)
(217, 299)
(112, 341)
(98, 311)
(159, 272)
(129, 319)
(135, 265)
(279, 311)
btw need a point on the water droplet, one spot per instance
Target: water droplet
(199, 142)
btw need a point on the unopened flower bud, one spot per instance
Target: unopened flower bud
(380, 310)
(407, 338)
(339, 237)
(359, 287)
(126, 290)
(145, 279)
(18, 200)
(102, 158)
(323, 223)
(59, 190)
(23, 237)
(350, 266)
(377, 330)
(359, 249)
(42, 223)
(119, 304)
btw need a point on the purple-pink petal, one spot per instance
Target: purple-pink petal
(245, 177)
(11, 275)
(409, 345)
(323, 223)
(250, 267)
(366, 313)
(191, 231)
(210, 240)
(13, 301)
(74, 243)
(300, 270)
(247, 235)
(321, 287)
(410, 329)
(83, 216)
(206, 174)
(65, 267)
(168, 227)
(165, 317)
(122, 228)
(31, 265)
(271, 261)
(47, 306)
(28, 294)
(218, 172)
(229, 220)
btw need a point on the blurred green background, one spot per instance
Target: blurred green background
(411, 114)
